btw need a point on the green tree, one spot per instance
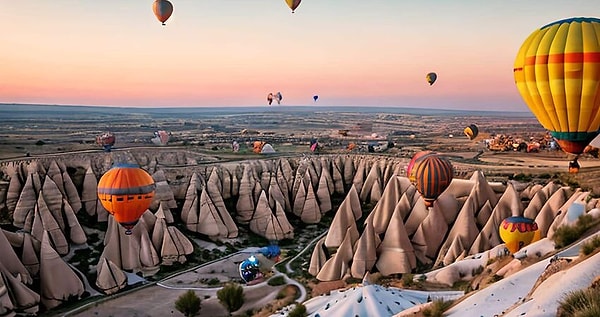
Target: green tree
(188, 304)
(298, 311)
(231, 296)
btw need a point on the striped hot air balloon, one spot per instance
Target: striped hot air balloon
(557, 72)
(126, 191)
(517, 232)
(410, 167)
(293, 4)
(162, 10)
(471, 131)
(433, 174)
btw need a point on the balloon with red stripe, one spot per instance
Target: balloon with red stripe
(162, 10)
(557, 72)
(126, 191)
(433, 174)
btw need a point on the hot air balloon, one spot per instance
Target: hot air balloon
(126, 191)
(471, 131)
(162, 10)
(161, 137)
(270, 98)
(557, 70)
(293, 4)
(106, 140)
(431, 77)
(315, 97)
(411, 164)
(433, 174)
(250, 269)
(517, 232)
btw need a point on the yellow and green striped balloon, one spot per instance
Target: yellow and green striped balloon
(557, 72)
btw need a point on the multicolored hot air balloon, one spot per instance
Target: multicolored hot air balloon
(106, 140)
(431, 78)
(293, 4)
(250, 269)
(161, 137)
(433, 174)
(471, 131)
(162, 10)
(126, 191)
(517, 232)
(410, 167)
(274, 96)
(557, 72)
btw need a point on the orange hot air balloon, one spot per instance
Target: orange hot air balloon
(517, 232)
(293, 4)
(410, 167)
(126, 191)
(162, 10)
(433, 174)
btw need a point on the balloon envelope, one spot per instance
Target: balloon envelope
(431, 78)
(433, 174)
(162, 10)
(557, 70)
(410, 167)
(106, 140)
(126, 191)
(517, 232)
(471, 131)
(293, 4)
(249, 269)
(315, 97)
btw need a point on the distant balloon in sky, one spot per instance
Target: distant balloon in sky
(274, 96)
(315, 97)
(431, 77)
(557, 72)
(293, 4)
(162, 10)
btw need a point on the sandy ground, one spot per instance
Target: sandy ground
(159, 299)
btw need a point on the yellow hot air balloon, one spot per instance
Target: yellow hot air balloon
(162, 10)
(517, 232)
(293, 4)
(557, 72)
(431, 78)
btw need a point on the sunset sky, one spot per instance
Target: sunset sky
(234, 52)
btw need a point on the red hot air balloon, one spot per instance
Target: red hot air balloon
(162, 10)
(126, 191)
(433, 174)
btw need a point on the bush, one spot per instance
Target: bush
(408, 279)
(566, 235)
(584, 302)
(298, 311)
(188, 304)
(231, 296)
(590, 246)
(437, 308)
(277, 280)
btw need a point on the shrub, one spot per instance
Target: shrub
(277, 280)
(298, 311)
(408, 279)
(231, 296)
(188, 304)
(590, 246)
(437, 308)
(584, 302)
(566, 235)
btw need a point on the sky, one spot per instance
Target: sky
(234, 52)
